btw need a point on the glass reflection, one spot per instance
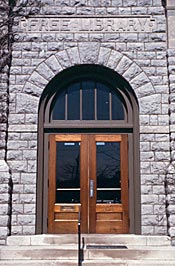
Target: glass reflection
(108, 172)
(88, 100)
(102, 102)
(117, 108)
(67, 172)
(73, 94)
(59, 108)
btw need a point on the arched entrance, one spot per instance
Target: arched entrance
(88, 153)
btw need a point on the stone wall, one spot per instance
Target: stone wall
(171, 169)
(5, 179)
(170, 179)
(39, 54)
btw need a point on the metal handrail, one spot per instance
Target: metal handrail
(80, 246)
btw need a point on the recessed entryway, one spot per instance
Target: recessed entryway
(88, 154)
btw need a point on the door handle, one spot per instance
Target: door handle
(91, 188)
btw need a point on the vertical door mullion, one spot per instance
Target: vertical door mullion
(92, 178)
(124, 182)
(84, 183)
(51, 182)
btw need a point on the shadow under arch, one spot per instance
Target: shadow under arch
(131, 127)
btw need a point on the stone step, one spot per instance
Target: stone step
(133, 254)
(57, 253)
(86, 263)
(61, 250)
(72, 239)
(38, 262)
(129, 263)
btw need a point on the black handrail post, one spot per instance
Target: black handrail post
(79, 240)
(80, 246)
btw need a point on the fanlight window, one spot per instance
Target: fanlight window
(88, 100)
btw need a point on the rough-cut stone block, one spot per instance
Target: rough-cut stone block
(3, 232)
(147, 156)
(26, 219)
(149, 199)
(54, 65)
(114, 59)
(18, 166)
(159, 167)
(29, 208)
(147, 209)
(123, 65)
(27, 178)
(63, 59)
(3, 166)
(38, 80)
(145, 90)
(150, 220)
(74, 56)
(104, 54)
(26, 103)
(29, 154)
(150, 104)
(45, 71)
(89, 52)
(132, 72)
(23, 128)
(27, 198)
(15, 145)
(160, 146)
(139, 80)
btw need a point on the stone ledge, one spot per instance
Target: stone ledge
(46, 239)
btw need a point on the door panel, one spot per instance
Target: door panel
(64, 183)
(88, 172)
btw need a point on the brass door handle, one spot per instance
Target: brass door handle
(91, 188)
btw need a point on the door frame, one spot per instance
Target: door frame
(93, 214)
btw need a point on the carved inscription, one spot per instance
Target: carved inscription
(74, 24)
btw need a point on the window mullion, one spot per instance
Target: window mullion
(66, 105)
(95, 100)
(81, 102)
(110, 106)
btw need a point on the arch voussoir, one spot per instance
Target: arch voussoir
(139, 81)
(114, 59)
(145, 90)
(104, 54)
(89, 53)
(38, 80)
(45, 71)
(123, 65)
(74, 55)
(53, 64)
(32, 89)
(132, 72)
(63, 59)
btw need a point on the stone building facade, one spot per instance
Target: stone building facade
(136, 40)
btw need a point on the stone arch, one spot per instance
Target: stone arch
(46, 127)
(97, 54)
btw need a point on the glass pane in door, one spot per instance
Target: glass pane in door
(68, 172)
(108, 172)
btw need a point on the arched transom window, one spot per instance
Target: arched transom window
(88, 100)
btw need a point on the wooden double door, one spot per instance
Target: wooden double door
(88, 173)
